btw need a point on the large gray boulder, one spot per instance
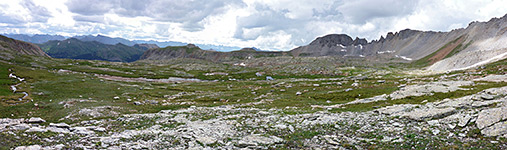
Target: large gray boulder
(490, 116)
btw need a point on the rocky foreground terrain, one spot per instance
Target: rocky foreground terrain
(477, 120)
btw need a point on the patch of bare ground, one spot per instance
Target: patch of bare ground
(446, 50)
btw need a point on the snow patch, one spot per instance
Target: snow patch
(341, 45)
(385, 52)
(404, 57)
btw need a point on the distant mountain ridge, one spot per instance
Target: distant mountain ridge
(193, 51)
(91, 50)
(105, 39)
(36, 39)
(42, 38)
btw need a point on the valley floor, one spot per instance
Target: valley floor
(262, 103)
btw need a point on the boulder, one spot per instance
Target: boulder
(31, 147)
(59, 125)
(429, 113)
(490, 116)
(36, 129)
(497, 129)
(36, 120)
(255, 139)
(22, 126)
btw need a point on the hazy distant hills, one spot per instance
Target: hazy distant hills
(37, 38)
(91, 50)
(42, 38)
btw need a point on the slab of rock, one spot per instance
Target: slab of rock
(36, 129)
(395, 109)
(59, 125)
(477, 104)
(463, 121)
(58, 130)
(206, 140)
(36, 120)
(81, 130)
(490, 116)
(22, 126)
(429, 113)
(497, 129)
(31, 147)
(254, 140)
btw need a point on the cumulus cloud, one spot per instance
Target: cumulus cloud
(267, 24)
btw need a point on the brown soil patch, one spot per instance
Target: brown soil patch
(445, 51)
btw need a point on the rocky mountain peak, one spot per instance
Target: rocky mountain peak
(333, 40)
(358, 41)
(191, 46)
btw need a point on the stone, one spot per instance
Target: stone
(116, 98)
(81, 130)
(269, 78)
(206, 140)
(429, 113)
(490, 116)
(59, 125)
(99, 129)
(487, 97)
(31, 147)
(395, 109)
(137, 103)
(435, 131)
(36, 129)
(36, 120)
(477, 104)
(355, 84)
(463, 121)
(22, 126)
(381, 81)
(298, 93)
(58, 130)
(497, 129)
(255, 139)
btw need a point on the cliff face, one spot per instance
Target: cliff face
(20, 47)
(192, 51)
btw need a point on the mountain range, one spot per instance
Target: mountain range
(479, 43)
(42, 38)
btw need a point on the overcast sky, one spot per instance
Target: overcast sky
(266, 24)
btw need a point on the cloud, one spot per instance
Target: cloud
(267, 24)
(188, 13)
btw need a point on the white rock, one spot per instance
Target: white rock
(59, 125)
(36, 129)
(36, 120)
(497, 129)
(22, 126)
(490, 116)
(31, 147)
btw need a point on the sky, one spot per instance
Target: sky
(265, 24)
